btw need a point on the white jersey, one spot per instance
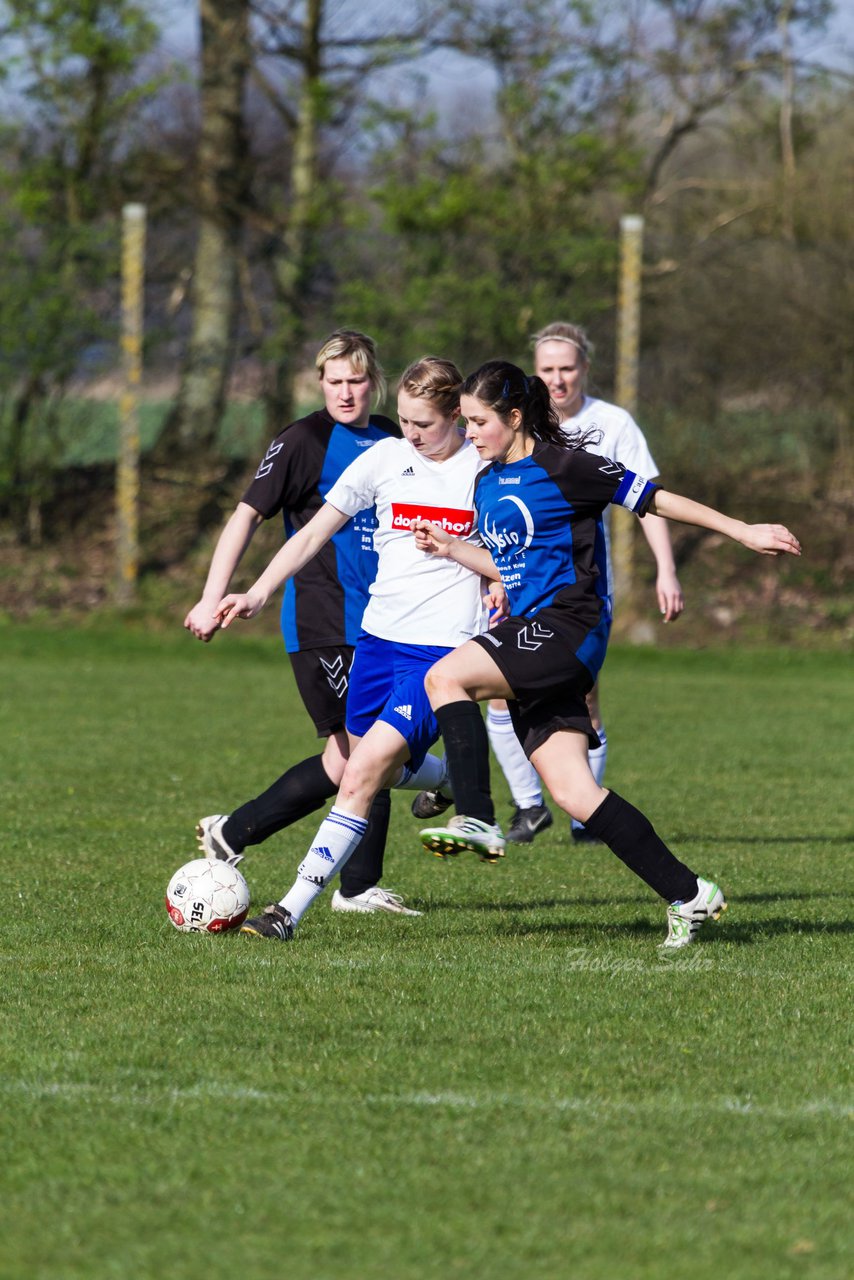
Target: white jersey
(416, 598)
(614, 434)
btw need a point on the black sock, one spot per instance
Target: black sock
(295, 794)
(467, 748)
(364, 868)
(632, 837)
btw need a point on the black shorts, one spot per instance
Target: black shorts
(550, 685)
(323, 679)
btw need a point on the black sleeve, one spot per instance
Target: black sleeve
(288, 474)
(590, 482)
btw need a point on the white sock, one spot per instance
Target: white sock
(597, 758)
(337, 837)
(521, 775)
(431, 776)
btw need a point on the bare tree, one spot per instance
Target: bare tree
(221, 196)
(324, 57)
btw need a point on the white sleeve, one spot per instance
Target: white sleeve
(356, 487)
(632, 450)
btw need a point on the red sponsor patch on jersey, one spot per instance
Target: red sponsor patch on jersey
(451, 519)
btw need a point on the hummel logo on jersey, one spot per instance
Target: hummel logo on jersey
(322, 852)
(406, 711)
(267, 465)
(410, 471)
(509, 479)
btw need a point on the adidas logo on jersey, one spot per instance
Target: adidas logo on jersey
(322, 852)
(410, 471)
(406, 711)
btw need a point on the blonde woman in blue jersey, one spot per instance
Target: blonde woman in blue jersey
(539, 506)
(321, 610)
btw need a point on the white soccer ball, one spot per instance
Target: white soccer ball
(207, 897)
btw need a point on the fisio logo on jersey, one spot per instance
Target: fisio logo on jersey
(448, 518)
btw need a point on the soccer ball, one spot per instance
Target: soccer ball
(207, 897)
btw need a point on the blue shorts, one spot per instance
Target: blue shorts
(387, 683)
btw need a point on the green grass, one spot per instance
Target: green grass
(88, 430)
(514, 1084)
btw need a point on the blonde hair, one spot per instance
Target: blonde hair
(361, 351)
(434, 379)
(560, 331)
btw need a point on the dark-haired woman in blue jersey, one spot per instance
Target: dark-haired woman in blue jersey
(539, 507)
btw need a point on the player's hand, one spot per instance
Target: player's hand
(238, 606)
(771, 540)
(496, 601)
(668, 591)
(202, 621)
(431, 539)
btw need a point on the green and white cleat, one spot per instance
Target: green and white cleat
(465, 834)
(685, 919)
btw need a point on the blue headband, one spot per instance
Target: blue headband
(506, 389)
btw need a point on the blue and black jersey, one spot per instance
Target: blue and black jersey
(323, 603)
(541, 518)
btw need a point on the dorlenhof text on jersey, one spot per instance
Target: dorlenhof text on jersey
(451, 520)
(207, 897)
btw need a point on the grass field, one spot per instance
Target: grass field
(514, 1084)
(88, 430)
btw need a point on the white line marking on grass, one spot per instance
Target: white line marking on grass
(617, 1106)
(68, 1090)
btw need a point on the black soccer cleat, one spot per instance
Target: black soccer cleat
(274, 922)
(430, 804)
(528, 823)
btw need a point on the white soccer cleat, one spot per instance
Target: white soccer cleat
(213, 843)
(685, 919)
(461, 834)
(375, 899)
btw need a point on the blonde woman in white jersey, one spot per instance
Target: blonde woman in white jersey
(562, 354)
(420, 608)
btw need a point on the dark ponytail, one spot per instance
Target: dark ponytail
(503, 387)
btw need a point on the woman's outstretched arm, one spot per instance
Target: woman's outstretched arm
(767, 539)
